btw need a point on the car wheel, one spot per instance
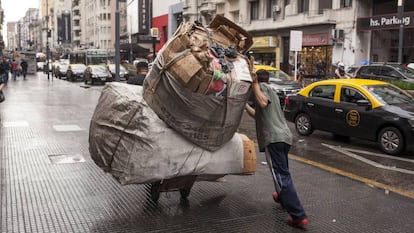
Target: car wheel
(303, 124)
(391, 141)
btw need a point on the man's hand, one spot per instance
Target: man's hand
(252, 70)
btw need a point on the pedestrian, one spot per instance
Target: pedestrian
(301, 74)
(340, 70)
(142, 70)
(2, 84)
(6, 67)
(275, 138)
(320, 69)
(23, 64)
(13, 69)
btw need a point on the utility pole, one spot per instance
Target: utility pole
(47, 40)
(401, 36)
(117, 43)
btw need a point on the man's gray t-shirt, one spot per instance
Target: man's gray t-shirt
(271, 125)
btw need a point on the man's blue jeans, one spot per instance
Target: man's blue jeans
(277, 158)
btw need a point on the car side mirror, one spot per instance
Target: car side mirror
(364, 103)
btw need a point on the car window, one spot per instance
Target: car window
(389, 72)
(370, 70)
(351, 95)
(389, 94)
(323, 91)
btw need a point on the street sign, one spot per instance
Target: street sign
(296, 40)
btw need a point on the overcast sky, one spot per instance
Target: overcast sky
(15, 10)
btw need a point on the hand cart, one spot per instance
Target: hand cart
(182, 184)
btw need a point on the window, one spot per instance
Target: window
(371, 70)
(346, 3)
(389, 72)
(351, 95)
(254, 10)
(269, 8)
(303, 6)
(323, 91)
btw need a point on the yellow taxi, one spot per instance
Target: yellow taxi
(361, 108)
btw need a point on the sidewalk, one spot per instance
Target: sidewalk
(50, 184)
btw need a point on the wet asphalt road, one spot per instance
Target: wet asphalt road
(360, 158)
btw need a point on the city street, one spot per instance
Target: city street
(49, 183)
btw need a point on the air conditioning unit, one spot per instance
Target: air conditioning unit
(276, 8)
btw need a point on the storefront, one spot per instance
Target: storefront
(316, 48)
(265, 50)
(385, 36)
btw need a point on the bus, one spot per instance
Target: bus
(89, 57)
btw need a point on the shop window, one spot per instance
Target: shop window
(254, 10)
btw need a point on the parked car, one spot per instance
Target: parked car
(386, 72)
(280, 82)
(75, 72)
(61, 69)
(366, 109)
(94, 73)
(350, 72)
(123, 72)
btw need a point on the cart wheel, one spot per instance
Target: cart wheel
(155, 191)
(185, 192)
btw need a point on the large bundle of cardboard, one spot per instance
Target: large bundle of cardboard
(200, 81)
(128, 140)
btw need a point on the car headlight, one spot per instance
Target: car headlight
(94, 76)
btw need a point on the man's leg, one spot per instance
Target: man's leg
(278, 152)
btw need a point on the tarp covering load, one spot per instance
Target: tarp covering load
(127, 139)
(200, 81)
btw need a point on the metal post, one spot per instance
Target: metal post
(117, 46)
(47, 40)
(152, 25)
(401, 35)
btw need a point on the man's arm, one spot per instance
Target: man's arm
(261, 99)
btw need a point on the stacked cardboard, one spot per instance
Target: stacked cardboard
(128, 140)
(200, 81)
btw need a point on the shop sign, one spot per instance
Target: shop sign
(383, 22)
(143, 16)
(264, 41)
(315, 39)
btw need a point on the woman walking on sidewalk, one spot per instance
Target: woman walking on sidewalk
(274, 138)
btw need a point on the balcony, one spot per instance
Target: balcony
(76, 28)
(76, 17)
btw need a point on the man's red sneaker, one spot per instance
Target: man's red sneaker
(298, 223)
(276, 197)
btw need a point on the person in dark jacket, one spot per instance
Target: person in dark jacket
(23, 64)
(142, 70)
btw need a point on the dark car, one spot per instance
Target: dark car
(97, 73)
(280, 82)
(386, 72)
(75, 72)
(366, 109)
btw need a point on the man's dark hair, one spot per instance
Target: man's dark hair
(262, 75)
(142, 65)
